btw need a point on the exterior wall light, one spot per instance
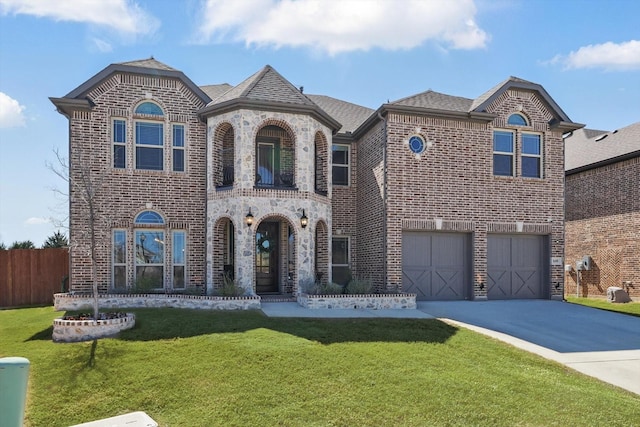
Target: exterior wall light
(304, 221)
(249, 219)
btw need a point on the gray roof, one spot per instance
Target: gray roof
(589, 148)
(350, 115)
(436, 101)
(215, 91)
(265, 85)
(142, 66)
(148, 63)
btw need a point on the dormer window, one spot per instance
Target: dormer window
(517, 120)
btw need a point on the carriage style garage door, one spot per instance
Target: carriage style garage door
(515, 266)
(436, 266)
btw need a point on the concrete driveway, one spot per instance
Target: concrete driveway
(598, 343)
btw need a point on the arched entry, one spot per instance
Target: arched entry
(275, 256)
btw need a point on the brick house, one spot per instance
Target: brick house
(442, 196)
(603, 209)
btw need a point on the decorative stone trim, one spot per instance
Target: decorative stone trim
(87, 330)
(368, 301)
(108, 301)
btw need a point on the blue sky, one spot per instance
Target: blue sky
(586, 53)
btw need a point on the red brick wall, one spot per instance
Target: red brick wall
(603, 221)
(344, 211)
(370, 207)
(122, 193)
(453, 180)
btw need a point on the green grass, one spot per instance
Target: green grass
(206, 368)
(632, 308)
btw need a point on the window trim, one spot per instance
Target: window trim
(504, 153)
(342, 165)
(538, 156)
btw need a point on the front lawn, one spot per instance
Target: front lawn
(206, 368)
(632, 308)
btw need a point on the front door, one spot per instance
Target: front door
(267, 271)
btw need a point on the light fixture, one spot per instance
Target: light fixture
(304, 220)
(248, 219)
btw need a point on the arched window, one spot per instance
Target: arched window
(149, 217)
(149, 108)
(517, 120)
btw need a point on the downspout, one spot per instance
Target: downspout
(384, 200)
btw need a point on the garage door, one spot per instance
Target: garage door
(436, 266)
(515, 266)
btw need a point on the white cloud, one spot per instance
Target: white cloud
(101, 45)
(609, 56)
(342, 26)
(122, 16)
(37, 221)
(11, 112)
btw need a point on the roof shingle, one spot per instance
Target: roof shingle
(586, 147)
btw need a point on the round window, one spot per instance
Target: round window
(416, 144)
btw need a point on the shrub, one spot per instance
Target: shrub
(230, 287)
(359, 286)
(330, 288)
(309, 286)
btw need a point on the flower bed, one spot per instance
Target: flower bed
(368, 301)
(78, 302)
(84, 328)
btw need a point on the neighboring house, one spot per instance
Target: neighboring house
(447, 197)
(603, 209)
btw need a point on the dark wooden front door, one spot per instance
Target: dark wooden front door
(267, 271)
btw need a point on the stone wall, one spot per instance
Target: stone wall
(371, 302)
(85, 302)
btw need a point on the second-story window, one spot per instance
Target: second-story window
(178, 148)
(503, 149)
(340, 168)
(149, 137)
(149, 142)
(119, 139)
(531, 155)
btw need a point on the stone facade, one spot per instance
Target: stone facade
(70, 302)
(603, 222)
(359, 302)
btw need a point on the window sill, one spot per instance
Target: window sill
(275, 187)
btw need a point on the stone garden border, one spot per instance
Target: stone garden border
(78, 302)
(87, 330)
(367, 301)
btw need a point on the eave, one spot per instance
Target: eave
(66, 106)
(281, 107)
(385, 109)
(602, 163)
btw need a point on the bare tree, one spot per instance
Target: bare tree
(84, 186)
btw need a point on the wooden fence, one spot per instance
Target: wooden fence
(31, 276)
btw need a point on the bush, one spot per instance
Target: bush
(316, 287)
(331, 289)
(359, 286)
(230, 287)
